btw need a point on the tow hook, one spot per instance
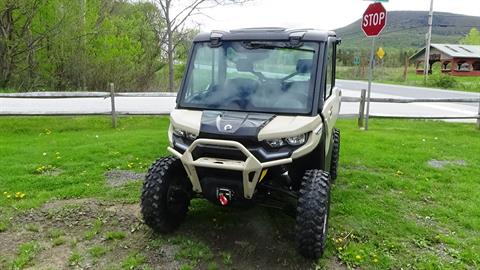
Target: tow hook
(224, 196)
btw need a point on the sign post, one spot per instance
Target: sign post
(373, 21)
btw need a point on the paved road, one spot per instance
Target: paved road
(353, 88)
(349, 88)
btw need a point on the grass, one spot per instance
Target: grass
(95, 230)
(115, 235)
(395, 76)
(26, 252)
(97, 251)
(75, 258)
(133, 261)
(390, 209)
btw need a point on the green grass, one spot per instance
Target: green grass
(75, 258)
(390, 209)
(115, 235)
(97, 251)
(395, 76)
(26, 253)
(133, 261)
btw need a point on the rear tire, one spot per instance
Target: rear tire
(312, 213)
(166, 195)
(335, 155)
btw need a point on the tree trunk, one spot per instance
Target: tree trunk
(170, 61)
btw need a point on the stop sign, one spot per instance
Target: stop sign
(374, 19)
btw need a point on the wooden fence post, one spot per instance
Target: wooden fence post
(112, 101)
(478, 119)
(361, 111)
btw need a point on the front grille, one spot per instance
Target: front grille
(220, 152)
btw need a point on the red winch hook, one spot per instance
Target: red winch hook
(223, 199)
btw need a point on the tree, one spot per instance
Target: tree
(473, 37)
(174, 14)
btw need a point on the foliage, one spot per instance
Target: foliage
(442, 81)
(78, 45)
(473, 37)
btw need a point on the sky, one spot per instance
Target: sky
(320, 14)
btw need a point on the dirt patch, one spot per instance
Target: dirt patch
(69, 232)
(116, 178)
(440, 164)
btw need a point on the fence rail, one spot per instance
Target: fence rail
(362, 100)
(114, 113)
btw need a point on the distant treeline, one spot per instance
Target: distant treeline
(68, 45)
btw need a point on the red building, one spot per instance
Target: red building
(457, 60)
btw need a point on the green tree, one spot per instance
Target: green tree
(473, 37)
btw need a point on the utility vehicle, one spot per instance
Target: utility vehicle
(254, 124)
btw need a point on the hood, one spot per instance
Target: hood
(216, 124)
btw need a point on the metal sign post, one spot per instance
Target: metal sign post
(373, 21)
(370, 78)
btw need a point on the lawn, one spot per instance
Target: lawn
(407, 197)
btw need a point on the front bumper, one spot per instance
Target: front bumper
(251, 165)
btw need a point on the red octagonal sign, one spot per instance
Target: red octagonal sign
(374, 19)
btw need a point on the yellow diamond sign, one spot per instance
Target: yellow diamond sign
(380, 53)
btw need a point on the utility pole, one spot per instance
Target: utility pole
(426, 67)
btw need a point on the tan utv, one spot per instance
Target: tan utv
(254, 124)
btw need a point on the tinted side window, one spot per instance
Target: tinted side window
(330, 77)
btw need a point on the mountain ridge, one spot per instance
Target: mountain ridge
(407, 30)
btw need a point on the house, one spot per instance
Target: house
(455, 59)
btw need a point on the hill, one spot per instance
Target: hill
(407, 29)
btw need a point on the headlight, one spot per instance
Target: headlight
(178, 132)
(293, 141)
(275, 143)
(184, 134)
(190, 136)
(297, 140)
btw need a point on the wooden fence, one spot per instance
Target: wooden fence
(114, 113)
(362, 100)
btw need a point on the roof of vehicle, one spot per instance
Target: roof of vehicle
(266, 33)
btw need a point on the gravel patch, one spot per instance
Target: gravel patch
(116, 178)
(440, 164)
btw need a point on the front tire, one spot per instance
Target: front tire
(313, 208)
(335, 155)
(166, 195)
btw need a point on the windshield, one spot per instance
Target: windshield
(252, 76)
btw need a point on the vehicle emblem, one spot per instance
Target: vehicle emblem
(227, 127)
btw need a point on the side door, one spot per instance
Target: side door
(332, 94)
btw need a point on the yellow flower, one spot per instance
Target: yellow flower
(375, 260)
(22, 195)
(5, 193)
(9, 196)
(358, 257)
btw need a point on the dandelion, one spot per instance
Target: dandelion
(375, 260)
(44, 153)
(9, 196)
(358, 257)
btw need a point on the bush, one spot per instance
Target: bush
(442, 81)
